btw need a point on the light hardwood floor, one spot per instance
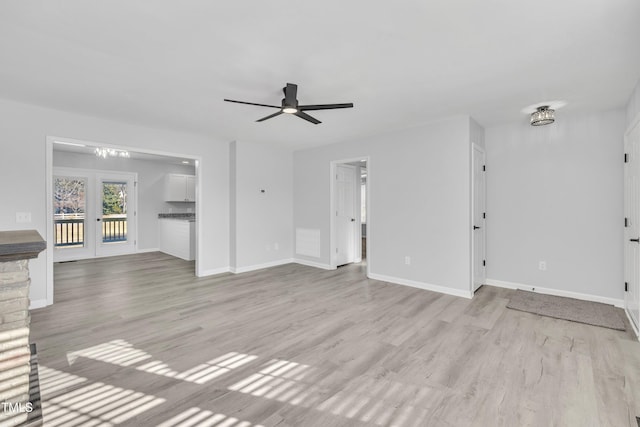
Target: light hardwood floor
(140, 341)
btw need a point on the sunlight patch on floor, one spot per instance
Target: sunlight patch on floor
(374, 402)
(92, 404)
(280, 380)
(196, 417)
(204, 372)
(120, 352)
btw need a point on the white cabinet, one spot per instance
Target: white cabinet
(177, 238)
(179, 188)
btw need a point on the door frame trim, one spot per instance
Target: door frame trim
(49, 141)
(332, 223)
(477, 147)
(634, 123)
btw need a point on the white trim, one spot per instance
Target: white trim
(144, 251)
(38, 303)
(212, 272)
(557, 292)
(422, 285)
(633, 326)
(49, 223)
(238, 270)
(313, 264)
(332, 225)
(476, 147)
(635, 121)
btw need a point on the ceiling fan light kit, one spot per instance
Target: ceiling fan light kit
(290, 105)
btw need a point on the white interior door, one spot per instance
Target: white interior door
(478, 217)
(72, 208)
(115, 229)
(632, 224)
(346, 224)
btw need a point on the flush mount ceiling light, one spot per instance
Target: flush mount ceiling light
(111, 152)
(543, 116)
(543, 113)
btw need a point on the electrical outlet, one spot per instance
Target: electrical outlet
(23, 217)
(542, 266)
(407, 260)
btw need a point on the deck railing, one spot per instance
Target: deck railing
(70, 231)
(114, 230)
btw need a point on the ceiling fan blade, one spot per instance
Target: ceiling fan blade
(324, 106)
(252, 103)
(290, 94)
(307, 117)
(270, 116)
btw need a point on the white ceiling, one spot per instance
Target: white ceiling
(168, 63)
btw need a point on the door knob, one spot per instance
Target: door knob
(97, 219)
(475, 227)
(353, 220)
(635, 240)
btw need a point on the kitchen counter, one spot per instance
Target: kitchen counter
(180, 216)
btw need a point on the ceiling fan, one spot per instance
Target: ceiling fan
(290, 106)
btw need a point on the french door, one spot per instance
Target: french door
(94, 213)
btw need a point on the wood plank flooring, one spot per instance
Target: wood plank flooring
(140, 341)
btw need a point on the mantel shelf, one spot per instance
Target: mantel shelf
(20, 244)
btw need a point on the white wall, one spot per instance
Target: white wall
(633, 106)
(554, 194)
(263, 233)
(419, 187)
(476, 133)
(23, 130)
(151, 175)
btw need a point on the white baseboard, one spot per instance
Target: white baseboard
(237, 270)
(422, 285)
(313, 264)
(557, 292)
(38, 303)
(212, 272)
(633, 326)
(144, 251)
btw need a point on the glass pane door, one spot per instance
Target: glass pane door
(114, 212)
(115, 231)
(71, 239)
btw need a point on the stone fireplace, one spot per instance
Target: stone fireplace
(16, 248)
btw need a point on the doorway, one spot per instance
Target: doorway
(632, 225)
(350, 213)
(478, 217)
(113, 225)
